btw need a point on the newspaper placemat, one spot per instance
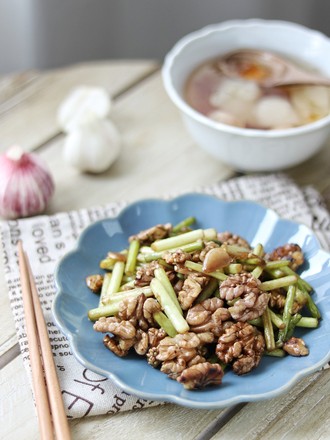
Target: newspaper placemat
(48, 238)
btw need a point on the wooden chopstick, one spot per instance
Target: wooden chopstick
(39, 386)
(47, 391)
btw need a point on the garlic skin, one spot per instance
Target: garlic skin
(82, 104)
(92, 146)
(26, 185)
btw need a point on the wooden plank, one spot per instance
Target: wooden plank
(31, 97)
(315, 172)
(7, 328)
(16, 404)
(148, 150)
(141, 115)
(302, 413)
(15, 88)
(138, 173)
(31, 120)
(163, 422)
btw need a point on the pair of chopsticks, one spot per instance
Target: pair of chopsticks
(48, 397)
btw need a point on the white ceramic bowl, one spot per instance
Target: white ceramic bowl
(242, 148)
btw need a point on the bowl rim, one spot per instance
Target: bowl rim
(180, 45)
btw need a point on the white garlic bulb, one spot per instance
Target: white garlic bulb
(26, 184)
(82, 104)
(92, 146)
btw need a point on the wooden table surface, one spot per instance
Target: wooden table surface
(153, 162)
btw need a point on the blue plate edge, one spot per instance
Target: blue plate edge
(173, 398)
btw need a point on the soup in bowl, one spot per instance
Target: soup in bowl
(233, 89)
(278, 131)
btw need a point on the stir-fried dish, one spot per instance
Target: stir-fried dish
(198, 302)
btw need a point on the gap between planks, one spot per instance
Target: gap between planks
(14, 350)
(219, 422)
(8, 355)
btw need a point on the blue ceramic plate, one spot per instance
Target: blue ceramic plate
(133, 374)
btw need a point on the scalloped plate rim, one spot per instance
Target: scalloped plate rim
(173, 398)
